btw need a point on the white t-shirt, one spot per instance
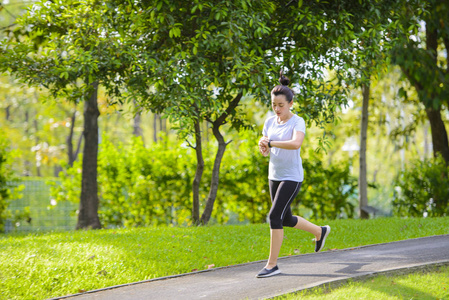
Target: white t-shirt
(284, 164)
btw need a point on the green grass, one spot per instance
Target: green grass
(433, 284)
(38, 266)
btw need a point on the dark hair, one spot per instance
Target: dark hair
(283, 88)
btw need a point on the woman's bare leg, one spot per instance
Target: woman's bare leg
(305, 225)
(277, 236)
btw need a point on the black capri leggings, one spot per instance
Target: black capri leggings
(282, 194)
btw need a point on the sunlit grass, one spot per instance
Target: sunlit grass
(39, 266)
(433, 284)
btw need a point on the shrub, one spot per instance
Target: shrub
(422, 189)
(141, 186)
(137, 186)
(8, 187)
(329, 192)
(243, 190)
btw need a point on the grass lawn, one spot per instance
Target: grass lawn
(433, 284)
(44, 265)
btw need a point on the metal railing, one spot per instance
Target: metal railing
(37, 211)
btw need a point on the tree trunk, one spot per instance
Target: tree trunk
(426, 143)
(215, 175)
(69, 140)
(27, 163)
(439, 134)
(219, 156)
(71, 153)
(137, 128)
(36, 141)
(78, 147)
(426, 89)
(363, 184)
(7, 112)
(198, 174)
(155, 116)
(88, 210)
(438, 130)
(163, 124)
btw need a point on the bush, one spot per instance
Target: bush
(137, 186)
(141, 186)
(422, 189)
(8, 190)
(243, 192)
(329, 192)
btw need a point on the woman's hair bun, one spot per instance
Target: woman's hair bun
(283, 89)
(284, 80)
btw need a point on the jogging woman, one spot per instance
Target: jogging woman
(283, 135)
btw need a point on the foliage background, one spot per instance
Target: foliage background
(141, 186)
(399, 137)
(422, 189)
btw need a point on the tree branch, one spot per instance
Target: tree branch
(432, 42)
(189, 144)
(9, 13)
(6, 27)
(411, 79)
(289, 3)
(232, 105)
(78, 147)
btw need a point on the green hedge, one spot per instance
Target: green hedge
(422, 189)
(141, 186)
(4, 191)
(9, 188)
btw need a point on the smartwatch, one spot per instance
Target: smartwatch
(269, 144)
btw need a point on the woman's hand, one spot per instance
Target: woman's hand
(264, 150)
(263, 146)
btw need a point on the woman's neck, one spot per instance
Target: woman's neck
(285, 119)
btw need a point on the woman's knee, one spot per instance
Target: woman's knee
(275, 221)
(290, 222)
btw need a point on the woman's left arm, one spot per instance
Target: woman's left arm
(293, 144)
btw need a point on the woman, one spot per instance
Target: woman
(283, 135)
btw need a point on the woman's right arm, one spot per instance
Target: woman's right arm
(263, 149)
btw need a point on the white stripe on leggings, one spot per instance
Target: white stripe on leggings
(288, 202)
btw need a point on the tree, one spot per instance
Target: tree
(71, 48)
(419, 55)
(368, 59)
(198, 60)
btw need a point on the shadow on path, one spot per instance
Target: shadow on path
(298, 273)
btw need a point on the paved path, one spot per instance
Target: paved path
(298, 272)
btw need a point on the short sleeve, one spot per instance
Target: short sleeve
(265, 129)
(300, 125)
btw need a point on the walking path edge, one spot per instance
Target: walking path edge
(332, 284)
(329, 282)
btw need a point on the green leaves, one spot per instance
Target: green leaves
(76, 44)
(333, 184)
(175, 31)
(421, 189)
(5, 178)
(64, 74)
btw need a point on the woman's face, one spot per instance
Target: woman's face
(280, 106)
